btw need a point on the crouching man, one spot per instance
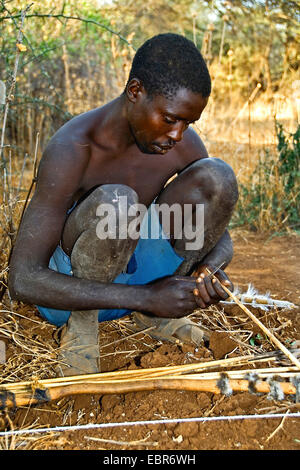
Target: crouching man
(105, 236)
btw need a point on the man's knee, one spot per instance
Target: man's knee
(118, 197)
(214, 181)
(111, 194)
(113, 198)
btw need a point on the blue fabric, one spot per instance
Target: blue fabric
(152, 259)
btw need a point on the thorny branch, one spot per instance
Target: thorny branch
(66, 17)
(13, 80)
(8, 99)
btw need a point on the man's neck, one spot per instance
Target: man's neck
(115, 125)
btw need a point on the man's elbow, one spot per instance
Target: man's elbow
(19, 284)
(14, 286)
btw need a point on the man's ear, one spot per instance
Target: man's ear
(134, 89)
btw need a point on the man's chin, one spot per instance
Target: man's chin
(153, 150)
(148, 150)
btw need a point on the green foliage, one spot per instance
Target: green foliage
(271, 198)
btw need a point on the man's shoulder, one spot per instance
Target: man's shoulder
(77, 129)
(68, 150)
(191, 147)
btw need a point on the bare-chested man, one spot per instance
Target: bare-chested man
(128, 150)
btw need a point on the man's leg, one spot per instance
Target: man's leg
(95, 259)
(210, 182)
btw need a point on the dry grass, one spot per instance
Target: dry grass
(29, 353)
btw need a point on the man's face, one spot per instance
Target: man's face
(158, 123)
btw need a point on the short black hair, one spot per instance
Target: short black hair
(168, 62)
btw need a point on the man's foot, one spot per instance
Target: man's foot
(79, 346)
(181, 330)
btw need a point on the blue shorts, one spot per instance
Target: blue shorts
(152, 259)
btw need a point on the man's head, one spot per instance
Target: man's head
(168, 62)
(168, 88)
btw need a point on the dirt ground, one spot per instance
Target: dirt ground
(269, 265)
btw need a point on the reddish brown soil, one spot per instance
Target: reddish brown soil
(270, 265)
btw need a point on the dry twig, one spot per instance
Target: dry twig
(278, 427)
(262, 326)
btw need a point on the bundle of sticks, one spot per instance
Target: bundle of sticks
(191, 377)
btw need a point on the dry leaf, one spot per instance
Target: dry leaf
(21, 47)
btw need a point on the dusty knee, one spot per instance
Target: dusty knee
(111, 194)
(215, 180)
(116, 198)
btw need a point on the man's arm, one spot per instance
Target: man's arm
(30, 279)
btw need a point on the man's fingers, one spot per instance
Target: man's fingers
(201, 286)
(198, 299)
(223, 278)
(210, 289)
(219, 290)
(207, 290)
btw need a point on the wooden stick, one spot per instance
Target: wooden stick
(262, 326)
(11, 400)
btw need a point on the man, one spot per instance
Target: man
(127, 151)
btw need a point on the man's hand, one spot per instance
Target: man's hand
(173, 296)
(178, 296)
(209, 287)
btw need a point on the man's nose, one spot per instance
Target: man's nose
(176, 133)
